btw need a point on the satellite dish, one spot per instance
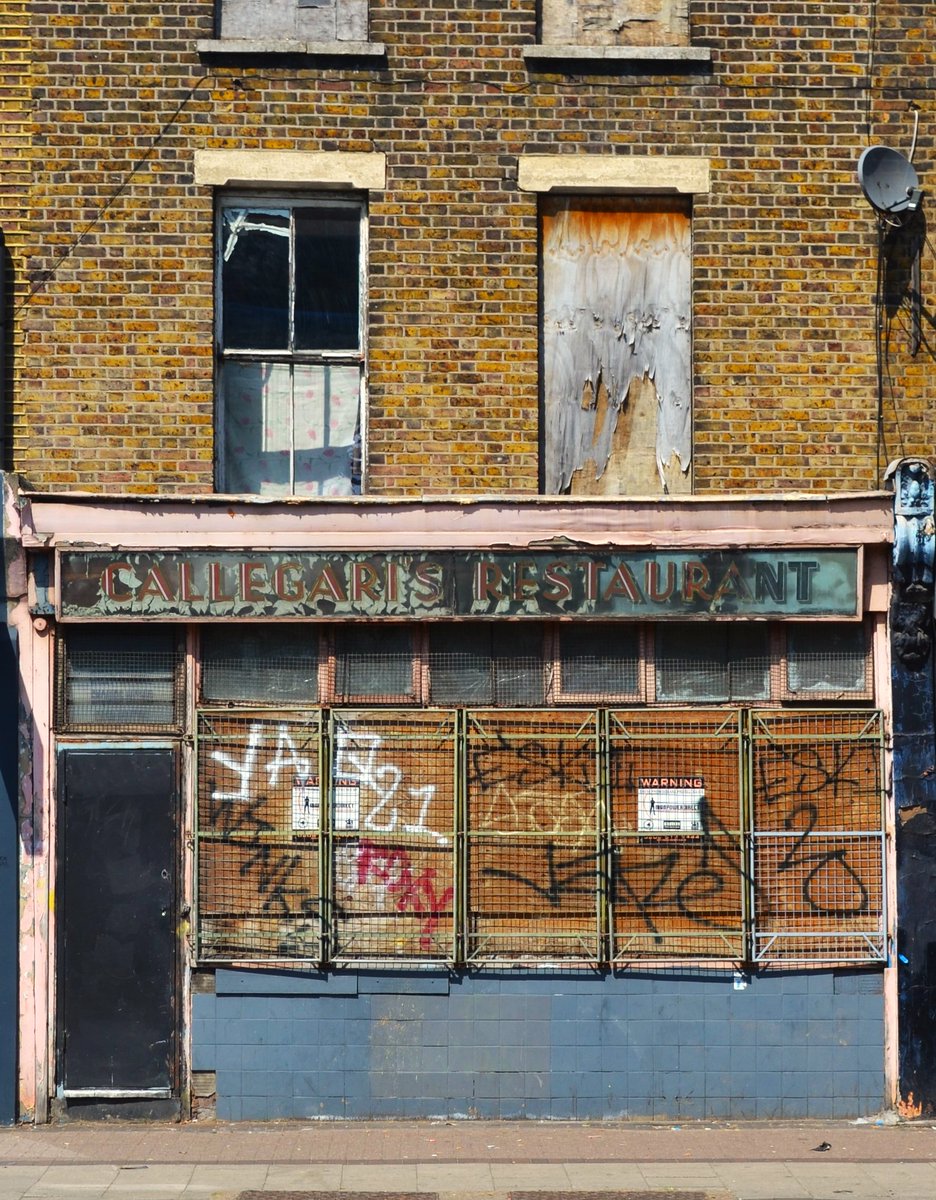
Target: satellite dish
(889, 182)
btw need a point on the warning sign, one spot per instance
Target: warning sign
(306, 803)
(347, 804)
(670, 804)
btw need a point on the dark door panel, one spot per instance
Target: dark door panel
(117, 962)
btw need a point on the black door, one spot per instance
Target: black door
(117, 960)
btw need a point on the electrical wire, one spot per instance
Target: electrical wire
(112, 199)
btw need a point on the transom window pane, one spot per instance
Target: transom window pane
(374, 661)
(486, 664)
(599, 660)
(826, 658)
(121, 677)
(260, 663)
(705, 661)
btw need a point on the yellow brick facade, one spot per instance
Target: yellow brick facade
(115, 277)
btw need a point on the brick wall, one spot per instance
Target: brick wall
(15, 133)
(117, 366)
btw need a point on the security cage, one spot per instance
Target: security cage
(259, 845)
(503, 837)
(679, 881)
(392, 831)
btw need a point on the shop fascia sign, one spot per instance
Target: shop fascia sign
(640, 584)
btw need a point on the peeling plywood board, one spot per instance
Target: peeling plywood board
(632, 468)
(615, 22)
(616, 346)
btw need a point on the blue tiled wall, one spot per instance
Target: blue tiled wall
(531, 1045)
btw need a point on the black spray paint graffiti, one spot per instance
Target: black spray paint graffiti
(701, 878)
(562, 765)
(843, 775)
(563, 875)
(273, 870)
(656, 886)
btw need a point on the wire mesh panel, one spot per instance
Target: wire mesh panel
(258, 837)
(393, 835)
(818, 836)
(678, 879)
(533, 850)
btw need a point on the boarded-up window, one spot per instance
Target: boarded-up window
(616, 346)
(294, 20)
(616, 22)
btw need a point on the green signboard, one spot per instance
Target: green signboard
(631, 585)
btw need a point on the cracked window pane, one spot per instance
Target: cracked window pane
(255, 279)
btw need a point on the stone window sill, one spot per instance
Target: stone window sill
(259, 48)
(670, 55)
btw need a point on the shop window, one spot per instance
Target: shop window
(615, 22)
(616, 346)
(320, 21)
(827, 659)
(260, 663)
(290, 347)
(486, 664)
(710, 662)
(120, 679)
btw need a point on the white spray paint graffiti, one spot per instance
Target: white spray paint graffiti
(285, 756)
(356, 758)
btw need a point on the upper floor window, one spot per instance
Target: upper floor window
(319, 21)
(616, 340)
(615, 22)
(290, 346)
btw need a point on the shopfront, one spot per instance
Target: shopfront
(538, 808)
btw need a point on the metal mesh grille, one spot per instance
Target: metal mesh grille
(374, 661)
(393, 848)
(260, 663)
(120, 678)
(828, 660)
(501, 836)
(705, 662)
(818, 840)
(599, 660)
(678, 877)
(258, 835)
(534, 852)
(487, 664)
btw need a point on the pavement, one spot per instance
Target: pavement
(470, 1160)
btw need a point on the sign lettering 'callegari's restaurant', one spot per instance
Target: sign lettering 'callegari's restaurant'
(647, 585)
